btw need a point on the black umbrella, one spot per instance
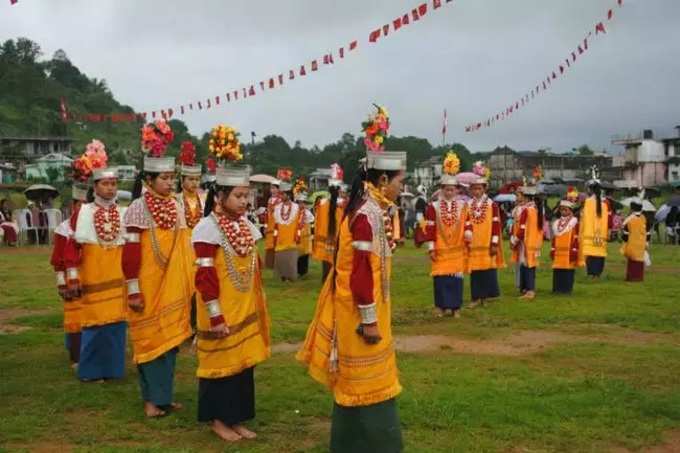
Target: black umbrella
(39, 192)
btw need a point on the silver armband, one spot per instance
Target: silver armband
(368, 313)
(133, 286)
(132, 237)
(364, 246)
(61, 278)
(213, 307)
(205, 262)
(430, 246)
(72, 273)
(494, 239)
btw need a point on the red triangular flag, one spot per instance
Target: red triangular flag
(326, 60)
(415, 15)
(217, 100)
(236, 95)
(245, 92)
(291, 74)
(191, 106)
(585, 44)
(405, 19)
(153, 114)
(599, 28)
(353, 45)
(374, 35)
(170, 113)
(386, 29)
(12, 2)
(330, 58)
(580, 50)
(251, 92)
(262, 84)
(610, 14)
(200, 107)
(561, 69)
(271, 83)
(396, 23)
(568, 62)
(554, 76)
(573, 56)
(280, 79)
(422, 9)
(208, 103)
(315, 65)
(181, 109)
(302, 70)
(436, 3)
(228, 97)
(341, 51)
(620, 2)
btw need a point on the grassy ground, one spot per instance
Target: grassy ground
(594, 372)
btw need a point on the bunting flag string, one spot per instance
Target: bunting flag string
(545, 84)
(328, 59)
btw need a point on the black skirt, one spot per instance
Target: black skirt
(563, 281)
(303, 265)
(484, 284)
(594, 265)
(230, 399)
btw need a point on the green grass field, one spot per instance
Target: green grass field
(596, 372)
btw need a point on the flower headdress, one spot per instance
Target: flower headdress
(156, 137)
(300, 186)
(376, 129)
(284, 174)
(451, 165)
(572, 194)
(211, 165)
(93, 158)
(187, 153)
(224, 143)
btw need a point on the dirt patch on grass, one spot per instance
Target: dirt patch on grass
(7, 315)
(671, 444)
(516, 344)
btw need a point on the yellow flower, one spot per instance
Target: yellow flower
(379, 140)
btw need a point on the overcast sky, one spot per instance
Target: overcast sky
(472, 57)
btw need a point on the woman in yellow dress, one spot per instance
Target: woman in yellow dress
(327, 226)
(636, 238)
(156, 259)
(349, 345)
(305, 245)
(289, 221)
(233, 323)
(443, 236)
(93, 270)
(594, 228)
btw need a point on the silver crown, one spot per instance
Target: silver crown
(159, 164)
(233, 176)
(386, 160)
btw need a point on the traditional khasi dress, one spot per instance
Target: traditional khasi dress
(482, 229)
(156, 264)
(96, 251)
(635, 236)
(288, 222)
(229, 284)
(593, 235)
(564, 252)
(363, 377)
(192, 205)
(269, 232)
(305, 245)
(529, 241)
(444, 229)
(324, 246)
(62, 234)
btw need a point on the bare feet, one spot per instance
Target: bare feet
(225, 432)
(474, 303)
(244, 432)
(529, 295)
(438, 312)
(176, 406)
(153, 411)
(456, 314)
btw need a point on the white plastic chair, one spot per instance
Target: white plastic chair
(54, 218)
(21, 218)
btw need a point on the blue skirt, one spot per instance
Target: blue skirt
(157, 379)
(484, 284)
(563, 281)
(102, 352)
(448, 292)
(594, 265)
(527, 278)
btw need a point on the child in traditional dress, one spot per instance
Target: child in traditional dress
(444, 229)
(564, 249)
(93, 269)
(484, 240)
(349, 345)
(289, 221)
(233, 323)
(636, 239)
(307, 218)
(156, 266)
(72, 299)
(527, 239)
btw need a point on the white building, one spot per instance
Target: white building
(428, 172)
(52, 161)
(649, 162)
(127, 172)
